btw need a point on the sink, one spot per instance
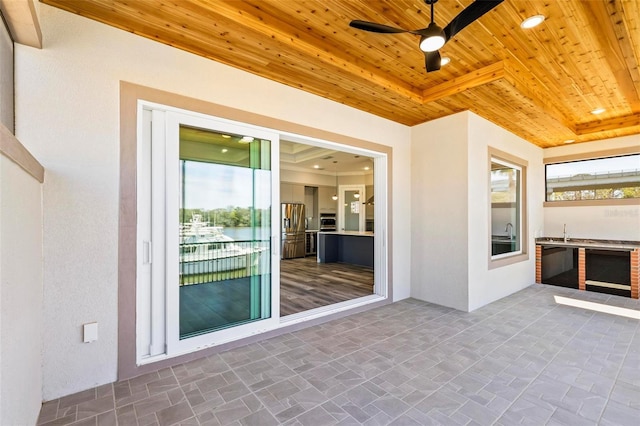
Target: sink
(502, 238)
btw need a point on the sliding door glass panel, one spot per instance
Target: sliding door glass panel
(506, 221)
(224, 220)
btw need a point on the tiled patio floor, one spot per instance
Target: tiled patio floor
(521, 360)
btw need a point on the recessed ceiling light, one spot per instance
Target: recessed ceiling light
(224, 150)
(532, 21)
(316, 166)
(366, 168)
(226, 136)
(598, 111)
(444, 61)
(570, 141)
(246, 139)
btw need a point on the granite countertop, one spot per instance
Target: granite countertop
(350, 233)
(588, 243)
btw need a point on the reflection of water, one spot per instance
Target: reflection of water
(243, 233)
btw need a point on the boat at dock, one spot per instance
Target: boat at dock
(207, 254)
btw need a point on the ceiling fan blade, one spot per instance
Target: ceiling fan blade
(432, 61)
(376, 28)
(472, 12)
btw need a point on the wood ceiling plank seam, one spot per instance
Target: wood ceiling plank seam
(557, 74)
(516, 75)
(629, 29)
(624, 33)
(598, 14)
(260, 25)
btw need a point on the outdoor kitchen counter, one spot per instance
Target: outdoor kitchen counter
(346, 247)
(545, 247)
(588, 243)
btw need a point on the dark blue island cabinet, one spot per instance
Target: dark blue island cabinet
(355, 248)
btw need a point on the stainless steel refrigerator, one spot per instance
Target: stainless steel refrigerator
(293, 232)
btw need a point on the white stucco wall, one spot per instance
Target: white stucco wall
(450, 212)
(439, 237)
(487, 285)
(20, 295)
(68, 117)
(600, 222)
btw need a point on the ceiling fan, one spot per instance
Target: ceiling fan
(433, 37)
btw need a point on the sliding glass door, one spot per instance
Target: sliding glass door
(212, 224)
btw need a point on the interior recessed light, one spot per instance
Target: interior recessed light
(532, 21)
(366, 168)
(316, 166)
(226, 136)
(598, 111)
(570, 141)
(444, 61)
(224, 150)
(246, 139)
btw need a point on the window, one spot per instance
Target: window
(507, 239)
(612, 178)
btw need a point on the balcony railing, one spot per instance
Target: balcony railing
(219, 261)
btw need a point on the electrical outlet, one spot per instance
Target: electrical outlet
(90, 332)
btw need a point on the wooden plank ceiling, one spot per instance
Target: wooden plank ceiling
(540, 84)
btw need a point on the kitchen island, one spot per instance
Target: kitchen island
(608, 266)
(351, 247)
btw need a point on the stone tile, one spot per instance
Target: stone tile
(231, 412)
(95, 407)
(77, 398)
(259, 418)
(163, 384)
(619, 414)
(89, 421)
(626, 394)
(391, 406)
(233, 391)
(107, 419)
(520, 360)
(62, 421)
(151, 405)
(174, 414)
(48, 412)
(316, 417)
(126, 415)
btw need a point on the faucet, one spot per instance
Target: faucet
(564, 233)
(509, 229)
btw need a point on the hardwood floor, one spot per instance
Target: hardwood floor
(306, 284)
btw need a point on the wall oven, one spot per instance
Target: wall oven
(327, 222)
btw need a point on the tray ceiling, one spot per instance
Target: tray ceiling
(540, 84)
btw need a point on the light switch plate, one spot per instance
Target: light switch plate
(90, 332)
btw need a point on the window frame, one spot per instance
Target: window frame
(594, 155)
(521, 255)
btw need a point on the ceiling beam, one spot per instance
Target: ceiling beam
(476, 78)
(23, 22)
(613, 123)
